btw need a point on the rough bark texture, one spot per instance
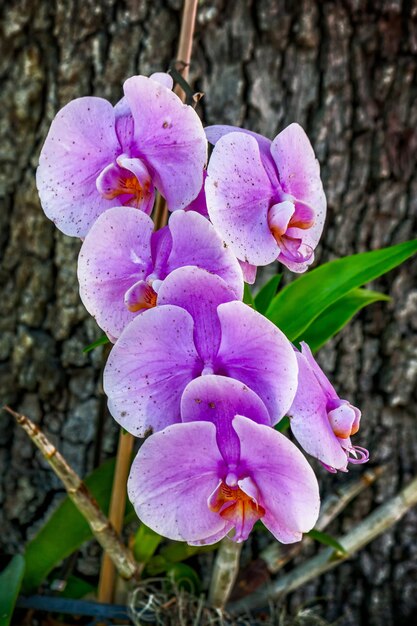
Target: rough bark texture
(345, 70)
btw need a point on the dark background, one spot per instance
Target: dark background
(346, 71)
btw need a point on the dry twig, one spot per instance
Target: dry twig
(83, 500)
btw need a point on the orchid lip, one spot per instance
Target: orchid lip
(357, 455)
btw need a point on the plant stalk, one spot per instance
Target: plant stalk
(102, 529)
(225, 571)
(366, 531)
(117, 507)
(124, 452)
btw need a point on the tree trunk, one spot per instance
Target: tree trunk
(346, 71)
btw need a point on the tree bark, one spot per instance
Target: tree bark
(346, 71)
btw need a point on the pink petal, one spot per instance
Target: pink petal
(163, 79)
(288, 488)
(196, 242)
(309, 421)
(171, 480)
(218, 399)
(249, 272)
(170, 139)
(256, 352)
(299, 174)
(115, 255)
(149, 368)
(238, 193)
(199, 293)
(81, 142)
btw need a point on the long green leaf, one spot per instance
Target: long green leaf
(327, 540)
(10, 583)
(266, 293)
(145, 544)
(336, 316)
(99, 342)
(66, 530)
(296, 306)
(248, 297)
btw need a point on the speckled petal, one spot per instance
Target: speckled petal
(170, 139)
(171, 480)
(219, 399)
(81, 142)
(288, 488)
(115, 255)
(239, 193)
(196, 242)
(149, 368)
(199, 293)
(256, 352)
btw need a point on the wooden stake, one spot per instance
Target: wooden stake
(124, 452)
(116, 513)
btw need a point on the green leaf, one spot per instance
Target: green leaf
(328, 540)
(100, 342)
(66, 530)
(296, 306)
(77, 588)
(185, 577)
(157, 565)
(336, 316)
(283, 425)
(266, 293)
(145, 544)
(10, 582)
(247, 296)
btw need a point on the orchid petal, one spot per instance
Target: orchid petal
(309, 421)
(171, 479)
(238, 193)
(163, 79)
(115, 255)
(196, 242)
(170, 139)
(256, 352)
(299, 174)
(249, 272)
(218, 399)
(288, 488)
(81, 142)
(199, 293)
(149, 368)
(216, 132)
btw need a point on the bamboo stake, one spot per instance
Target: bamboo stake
(371, 527)
(225, 570)
(83, 500)
(124, 452)
(275, 557)
(107, 580)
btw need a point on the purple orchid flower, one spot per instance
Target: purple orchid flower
(198, 328)
(122, 262)
(265, 197)
(223, 469)
(321, 422)
(97, 156)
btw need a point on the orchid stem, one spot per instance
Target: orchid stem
(116, 513)
(124, 452)
(83, 500)
(371, 527)
(225, 571)
(274, 555)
